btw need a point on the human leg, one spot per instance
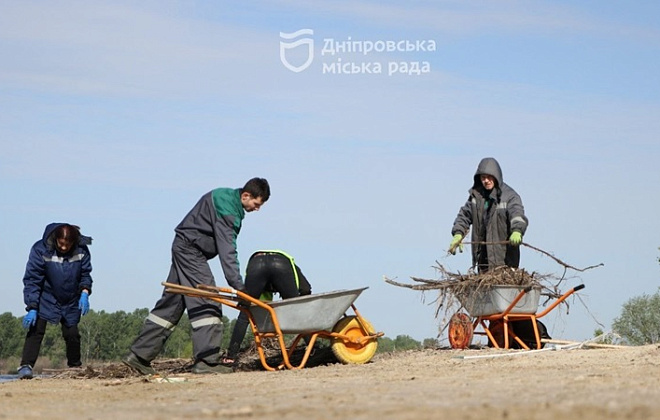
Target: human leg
(71, 337)
(192, 270)
(256, 278)
(159, 324)
(32, 345)
(237, 336)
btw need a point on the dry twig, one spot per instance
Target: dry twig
(450, 285)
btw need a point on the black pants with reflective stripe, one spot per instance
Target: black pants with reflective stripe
(189, 268)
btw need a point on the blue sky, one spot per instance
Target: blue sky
(117, 116)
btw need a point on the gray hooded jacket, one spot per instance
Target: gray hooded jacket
(494, 215)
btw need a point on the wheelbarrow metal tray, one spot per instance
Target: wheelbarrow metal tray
(496, 299)
(316, 312)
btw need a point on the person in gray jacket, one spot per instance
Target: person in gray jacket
(208, 230)
(498, 220)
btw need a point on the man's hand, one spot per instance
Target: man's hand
(456, 243)
(516, 238)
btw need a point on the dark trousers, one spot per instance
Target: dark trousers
(268, 270)
(35, 336)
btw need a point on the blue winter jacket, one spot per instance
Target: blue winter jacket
(53, 283)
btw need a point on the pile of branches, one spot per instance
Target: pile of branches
(451, 285)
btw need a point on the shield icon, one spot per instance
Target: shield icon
(291, 44)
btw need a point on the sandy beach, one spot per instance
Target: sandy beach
(622, 383)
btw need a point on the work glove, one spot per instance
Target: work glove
(30, 319)
(83, 303)
(516, 238)
(456, 243)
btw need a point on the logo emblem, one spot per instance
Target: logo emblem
(292, 43)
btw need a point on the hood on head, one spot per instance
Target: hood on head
(48, 232)
(50, 229)
(488, 166)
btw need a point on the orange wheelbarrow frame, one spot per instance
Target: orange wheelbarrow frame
(461, 329)
(357, 337)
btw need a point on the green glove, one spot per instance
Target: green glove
(456, 243)
(515, 239)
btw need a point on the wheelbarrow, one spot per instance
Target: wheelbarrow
(353, 338)
(500, 311)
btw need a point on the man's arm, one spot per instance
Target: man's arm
(225, 239)
(463, 219)
(517, 219)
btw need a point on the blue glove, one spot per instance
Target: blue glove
(30, 319)
(83, 303)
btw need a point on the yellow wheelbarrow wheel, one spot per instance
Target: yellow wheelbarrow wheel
(353, 353)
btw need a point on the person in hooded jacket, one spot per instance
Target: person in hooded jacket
(498, 220)
(57, 285)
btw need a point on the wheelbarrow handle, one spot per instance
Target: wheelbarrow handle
(560, 300)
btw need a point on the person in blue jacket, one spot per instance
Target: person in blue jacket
(57, 285)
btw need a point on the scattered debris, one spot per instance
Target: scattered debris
(169, 369)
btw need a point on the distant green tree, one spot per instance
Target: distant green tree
(430, 343)
(385, 345)
(179, 344)
(103, 337)
(108, 336)
(229, 328)
(639, 322)
(12, 335)
(53, 345)
(406, 342)
(91, 328)
(400, 343)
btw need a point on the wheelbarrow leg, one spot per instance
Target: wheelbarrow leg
(486, 328)
(258, 343)
(308, 349)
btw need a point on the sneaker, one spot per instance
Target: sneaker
(202, 367)
(135, 363)
(25, 372)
